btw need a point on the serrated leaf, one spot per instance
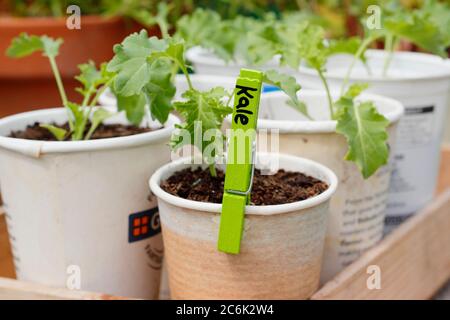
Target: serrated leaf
(131, 64)
(439, 12)
(418, 29)
(202, 111)
(289, 86)
(59, 133)
(365, 131)
(25, 45)
(197, 27)
(262, 44)
(89, 75)
(51, 46)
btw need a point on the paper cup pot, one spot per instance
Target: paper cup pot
(78, 213)
(358, 208)
(421, 82)
(281, 248)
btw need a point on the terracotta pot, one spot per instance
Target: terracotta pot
(33, 75)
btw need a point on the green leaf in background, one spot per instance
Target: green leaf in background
(419, 29)
(146, 18)
(59, 133)
(262, 45)
(347, 46)
(289, 85)
(439, 13)
(303, 42)
(197, 27)
(24, 45)
(131, 64)
(365, 131)
(311, 46)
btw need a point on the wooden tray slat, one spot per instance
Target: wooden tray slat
(11, 289)
(414, 259)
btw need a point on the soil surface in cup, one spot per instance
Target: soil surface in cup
(280, 188)
(103, 131)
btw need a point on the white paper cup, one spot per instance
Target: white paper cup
(357, 210)
(70, 207)
(281, 249)
(205, 61)
(421, 82)
(201, 82)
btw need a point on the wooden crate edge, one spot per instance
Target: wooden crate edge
(16, 289)
(438, 211)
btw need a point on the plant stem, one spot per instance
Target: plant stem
(212, 170)
(390, 46)
(327, 89)
(86, 98)
(357, 56)
(100, 91)
(188, 78)
(91, 107)
(90, 132)
(163, 27)
(60, 85)
(230, 97)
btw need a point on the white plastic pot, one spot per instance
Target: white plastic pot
(206, 62)
(357, 210)
(70, 207)
(421, 82)
(281, 249)
(199, 81)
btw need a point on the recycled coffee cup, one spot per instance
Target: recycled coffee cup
(358, 208)
(281, 249)
(78, 213)
(421, 82)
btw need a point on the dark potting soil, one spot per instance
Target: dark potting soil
(103, 131)
(280, 188)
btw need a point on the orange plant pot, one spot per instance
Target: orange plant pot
(28, 83)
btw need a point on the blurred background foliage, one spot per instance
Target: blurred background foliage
(339, 17)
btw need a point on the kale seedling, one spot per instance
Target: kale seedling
(428, 27)
(360, 122)
(93, 82)
(145, 70)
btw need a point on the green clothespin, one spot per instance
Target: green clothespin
(241, 150)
